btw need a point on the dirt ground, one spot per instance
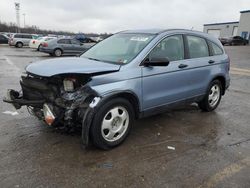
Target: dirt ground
(211, 149)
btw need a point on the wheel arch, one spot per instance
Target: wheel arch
(222, 79)
(128, 95)
(19, 42)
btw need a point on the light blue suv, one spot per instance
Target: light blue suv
(130, 75)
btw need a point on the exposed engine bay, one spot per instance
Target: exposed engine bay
(61, 101)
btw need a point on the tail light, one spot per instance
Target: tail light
(45, 44)
(34, 42)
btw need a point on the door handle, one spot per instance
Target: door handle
(211, 61)
(181, 66)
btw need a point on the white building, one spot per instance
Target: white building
(228, 29)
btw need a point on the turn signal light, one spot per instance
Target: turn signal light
(48, 114)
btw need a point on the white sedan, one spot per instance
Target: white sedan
(36, 43)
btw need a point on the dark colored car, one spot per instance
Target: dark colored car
(236, 40)
(3, 39)
(58, 47)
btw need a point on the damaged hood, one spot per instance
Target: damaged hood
(77, 65)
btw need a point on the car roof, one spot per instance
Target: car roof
(159, 31)
(170, 31)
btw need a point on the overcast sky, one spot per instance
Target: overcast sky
(115, 15)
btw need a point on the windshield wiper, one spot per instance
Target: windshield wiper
(93, 59)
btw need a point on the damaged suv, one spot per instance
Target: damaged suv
(130, 75)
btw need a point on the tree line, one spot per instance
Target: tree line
(12, 28)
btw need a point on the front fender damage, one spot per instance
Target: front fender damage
(87, 99)
(49, 102)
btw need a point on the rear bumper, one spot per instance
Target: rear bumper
(46, 50)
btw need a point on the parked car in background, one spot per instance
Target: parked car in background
(36, 43)
(130, 75)
(236, 40)
(60, 46)
(21, 39)
(4, 39)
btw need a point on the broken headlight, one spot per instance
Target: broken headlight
(68, 84)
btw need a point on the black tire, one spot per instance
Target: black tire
(38, 49)
(205, 103)
(19, 45)
(96, 133)
(58, 52)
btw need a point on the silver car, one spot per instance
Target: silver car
(21, 39)
(58, 47)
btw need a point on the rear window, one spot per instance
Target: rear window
(197, 47)
(216, 50)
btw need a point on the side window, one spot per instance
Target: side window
(216, 49)
(17, 36)
(28, 36)
(61, 41)
(171, 47)
(75, 42)
(64, 41)
(197, 47)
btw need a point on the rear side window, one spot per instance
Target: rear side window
(64, 41)
(171, 47)
(197, 47)
(75, 42)
(215, 49)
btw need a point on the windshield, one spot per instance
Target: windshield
(120, 48)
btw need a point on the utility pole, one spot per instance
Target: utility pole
(17, 7)
(24, 19)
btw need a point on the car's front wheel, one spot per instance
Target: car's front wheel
(112, 123)
(212, 98)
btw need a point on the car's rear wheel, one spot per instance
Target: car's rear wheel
(212, 98)
(19, 45)
(57, 52)
(112, 123)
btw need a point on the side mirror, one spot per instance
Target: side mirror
(156, 62)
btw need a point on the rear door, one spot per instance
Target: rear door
(65, 45)
(26, 39)
(199, 65)
(77, 47)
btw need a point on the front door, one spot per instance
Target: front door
(166, 84)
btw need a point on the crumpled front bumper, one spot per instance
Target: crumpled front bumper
(15, 98)
(68, 102)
